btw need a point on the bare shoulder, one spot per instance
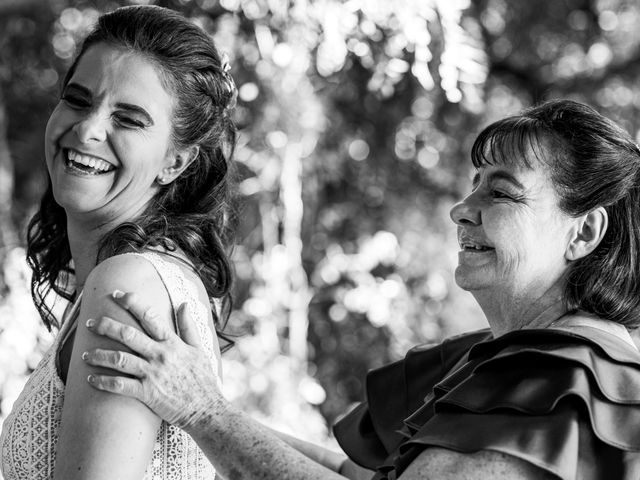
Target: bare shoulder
(124, 269)
(443, 464)
(128, 273)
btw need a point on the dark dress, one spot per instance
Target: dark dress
(564, 399)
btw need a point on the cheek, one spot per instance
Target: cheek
(514, 241)
(58, 124)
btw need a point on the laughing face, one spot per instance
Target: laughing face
(512, 234)
(108, 138)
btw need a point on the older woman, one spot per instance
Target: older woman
(137, 151)
(549, 247)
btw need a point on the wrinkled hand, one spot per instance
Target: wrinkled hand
(174, 378)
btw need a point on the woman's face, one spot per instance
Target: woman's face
(109, 136)
(512, 234)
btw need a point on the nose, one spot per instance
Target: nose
(466, 213)
(91, 128)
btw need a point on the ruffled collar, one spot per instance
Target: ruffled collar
(583, 319)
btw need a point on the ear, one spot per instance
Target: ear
(177, 163)
(590, 231)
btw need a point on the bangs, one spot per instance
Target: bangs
(514, 140)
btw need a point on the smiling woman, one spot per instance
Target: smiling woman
(138, 151)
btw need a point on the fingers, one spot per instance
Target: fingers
(124, 334)
(121, 385)
(122, 362)
(187, 329)
(148, 318)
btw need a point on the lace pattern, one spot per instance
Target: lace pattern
(30, 432)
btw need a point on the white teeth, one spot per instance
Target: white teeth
(88, 161)
(466, 246)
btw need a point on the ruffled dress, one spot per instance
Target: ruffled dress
(565, 399)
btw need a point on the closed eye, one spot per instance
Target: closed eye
(128, 122)
(75, 101)
(500, 195)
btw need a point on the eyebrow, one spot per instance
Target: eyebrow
(124, 106)
(498, 175)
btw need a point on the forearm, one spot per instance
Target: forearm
(325, 457)
(242, 449)
(338, 462)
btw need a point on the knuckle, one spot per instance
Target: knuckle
(160, 357)
(149, 314)
(116, 383)
(126, 333)
(120, 360)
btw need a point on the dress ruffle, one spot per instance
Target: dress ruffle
(566, 400)
(372, 430)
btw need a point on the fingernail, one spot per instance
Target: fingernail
(91, 379)
(118, 294)
(91, 323)
(85, 355)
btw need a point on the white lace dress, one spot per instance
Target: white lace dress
(30, 432)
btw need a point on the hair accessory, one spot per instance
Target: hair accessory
(229, 83)
(224, 62)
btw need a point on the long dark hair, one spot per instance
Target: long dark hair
(193, 213)
(593, 163)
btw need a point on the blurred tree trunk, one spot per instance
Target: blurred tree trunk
(299, 294)
(8, 235)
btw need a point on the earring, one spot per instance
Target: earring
(161, 180)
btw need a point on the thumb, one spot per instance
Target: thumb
(187, 328)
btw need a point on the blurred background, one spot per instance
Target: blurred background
(356, 120)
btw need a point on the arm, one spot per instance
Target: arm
(337, 462)
(106, 436)
(240, 448)
(330, 459)
(171, 377)
(443, 464)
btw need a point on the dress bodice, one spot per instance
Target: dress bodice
(30, 432)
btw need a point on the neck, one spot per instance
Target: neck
(85, 231)
(509, 312)
(83, 244)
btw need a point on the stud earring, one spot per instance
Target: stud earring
(161, 180)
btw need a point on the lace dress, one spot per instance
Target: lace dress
(30, 432)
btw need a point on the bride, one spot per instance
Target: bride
(138, 151)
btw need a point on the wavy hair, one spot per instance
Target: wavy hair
(593, 163)
(194, 212)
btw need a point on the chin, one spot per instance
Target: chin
(71, 201)
(471, 280)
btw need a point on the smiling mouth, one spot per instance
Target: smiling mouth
(470, 247)
(86, 164)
